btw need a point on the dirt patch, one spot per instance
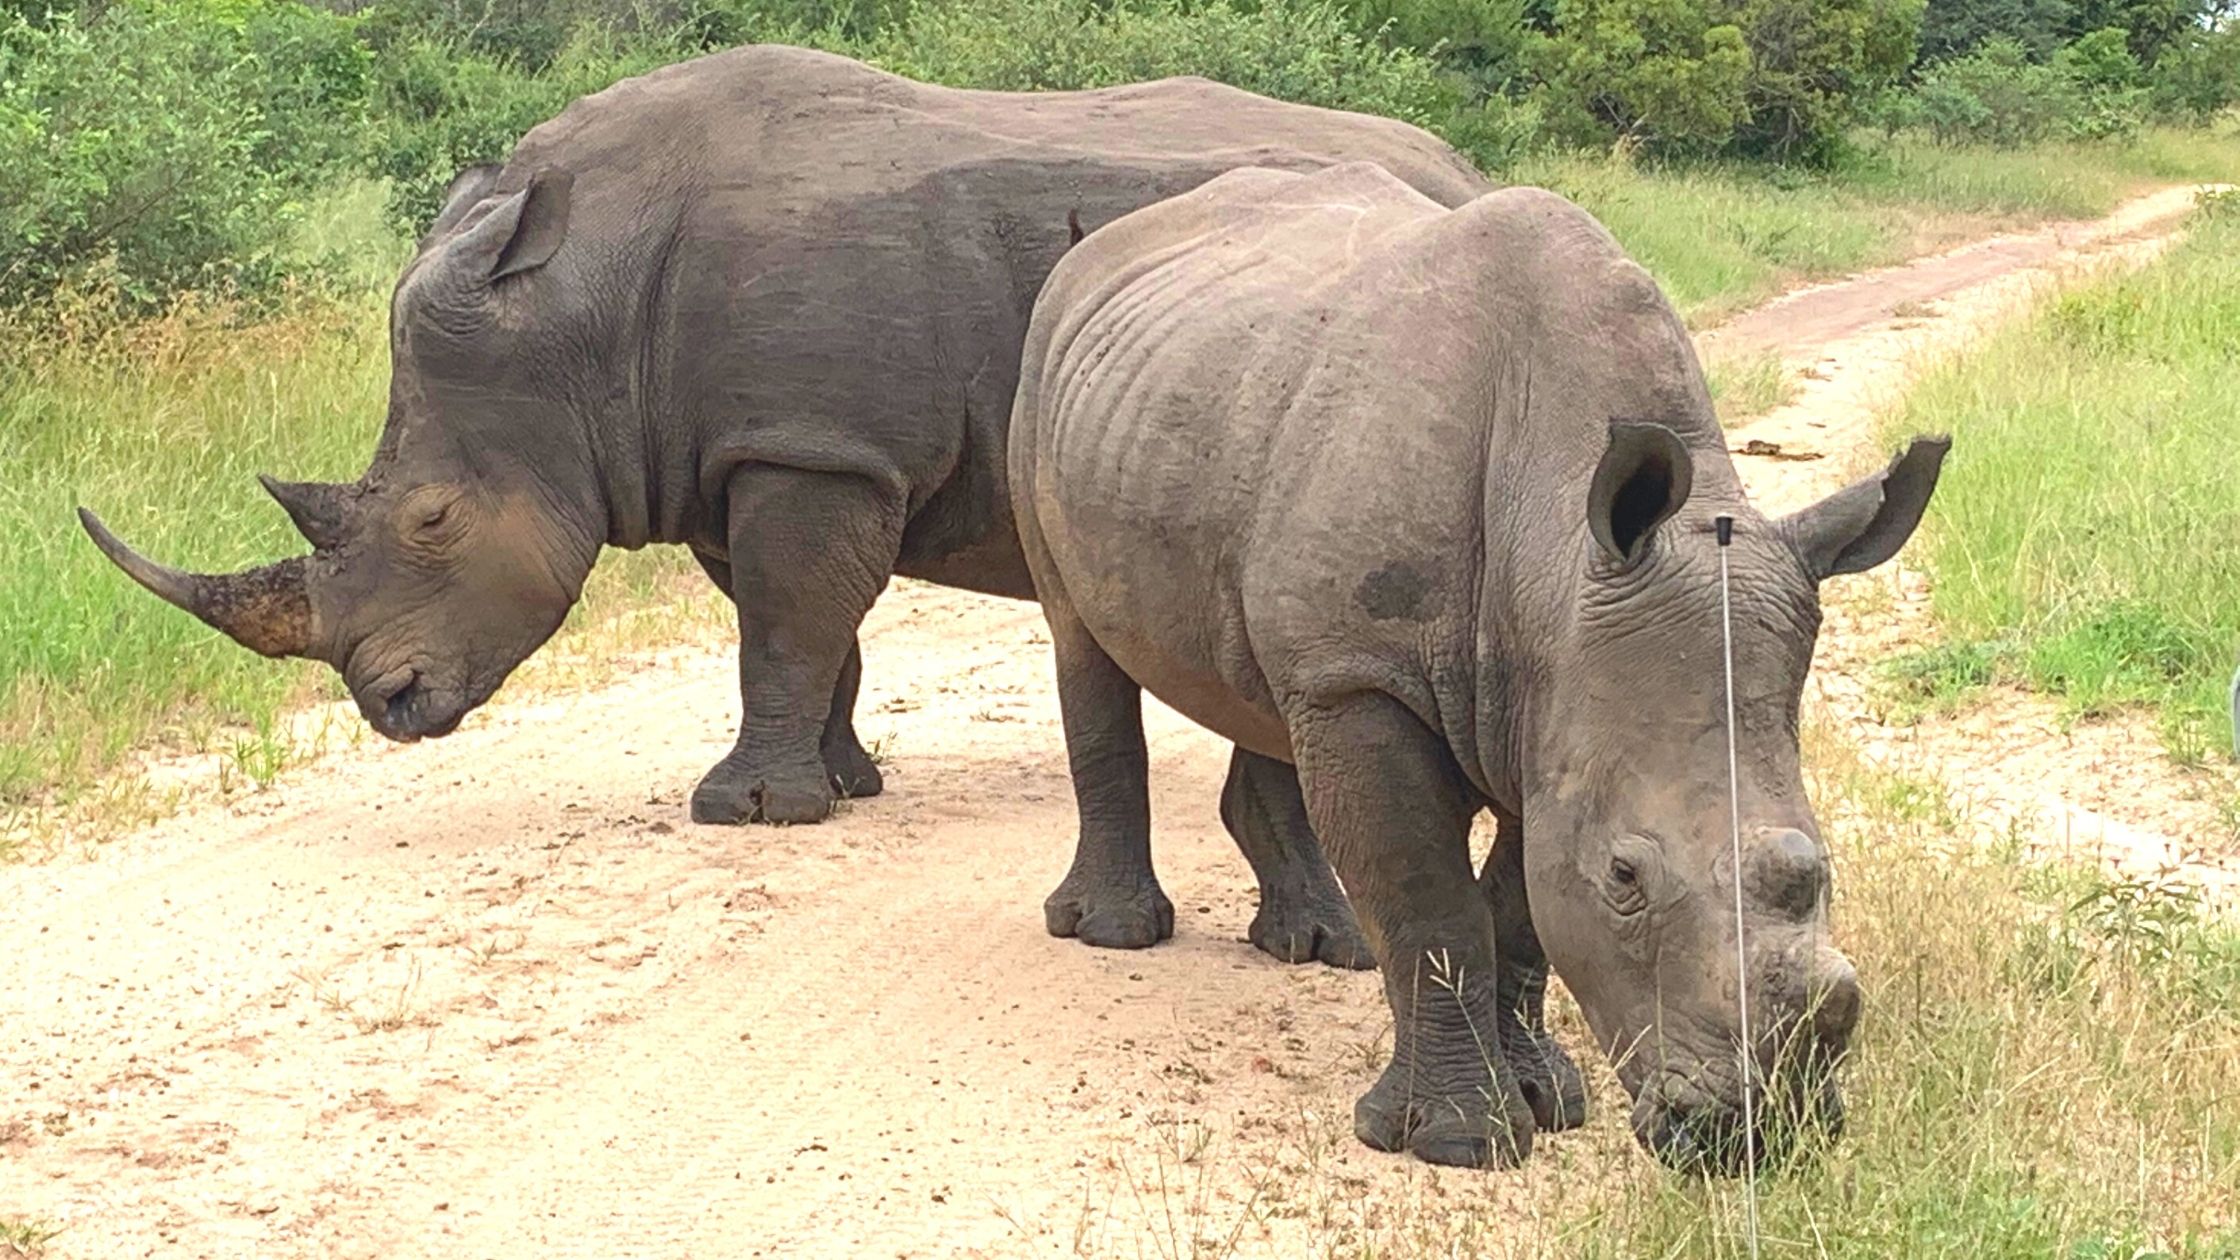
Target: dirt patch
(493, 997)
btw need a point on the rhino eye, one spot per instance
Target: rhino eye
(435, 517)
(1624, 890)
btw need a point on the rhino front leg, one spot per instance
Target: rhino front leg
(849, 766)
(1394, 812)
(809, 552)
(1546, 1074)
(1303, 913)
(1110, 897)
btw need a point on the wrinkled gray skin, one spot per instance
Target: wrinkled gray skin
(768, 305)
(1421, 500)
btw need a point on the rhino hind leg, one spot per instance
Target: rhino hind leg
(853, 772)
(808, 554)
(1303, 916)
(1110, 897)
(1393, 810)
(1545, 1072)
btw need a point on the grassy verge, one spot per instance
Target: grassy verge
(2044, 1068)
(1748, 385)
(2083, 537)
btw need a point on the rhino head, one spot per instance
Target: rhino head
(468, 539)
(1629, 860)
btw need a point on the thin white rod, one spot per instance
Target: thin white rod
(1741, 954)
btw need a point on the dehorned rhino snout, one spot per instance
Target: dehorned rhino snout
(1788, 873)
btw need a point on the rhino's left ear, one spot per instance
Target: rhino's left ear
(1644, 476)
(1864, 524)
(520, 233)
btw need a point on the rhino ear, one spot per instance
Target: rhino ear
(1644, 477)
(1864, 524)
(518, 234)
(463, 193)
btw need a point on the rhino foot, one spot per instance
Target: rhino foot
(1110, 913)
(1445, 1122)
(1546, 1076)
(853, 774)
(738, 791)
(1301, 931)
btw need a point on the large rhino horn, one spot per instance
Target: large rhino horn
(266, 609)
(317, 507)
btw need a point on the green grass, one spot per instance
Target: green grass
(1748, 385)
(1722, 238)
(2044, 1068)
(21, 1238)
(2086, 524)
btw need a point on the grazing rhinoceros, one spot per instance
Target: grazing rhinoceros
(1421, 501)
(767, 304)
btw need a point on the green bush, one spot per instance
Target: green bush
(1955, 28)
(1295, 50)
(2110, 84)
(168, 145)
(443, 109)
(2198, 77)
(1813, 63)
(1483, 41)
(1994, 95)
(1669, 75)
(2091, 89)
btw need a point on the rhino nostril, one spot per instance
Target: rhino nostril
(397, 706)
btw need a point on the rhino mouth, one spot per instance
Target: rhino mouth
(402, 706)
(1691, 1132)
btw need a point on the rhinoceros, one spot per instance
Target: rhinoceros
(1420, 501)
(768, 305)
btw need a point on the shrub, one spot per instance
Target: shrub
(1295, 50)
(1995, 95)
(1955, 28)
(1671, 75)
(443, 109)
(1481, 40)
(2109, 83)
(168, 145)
(2198, 77)
(1813, 63)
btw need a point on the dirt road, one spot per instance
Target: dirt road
(494, 997)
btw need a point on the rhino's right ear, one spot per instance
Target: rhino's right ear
(1864, 524)
(520, 233)
(1644, 477)
(465, 191)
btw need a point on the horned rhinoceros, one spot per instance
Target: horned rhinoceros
(1421, 501)
(767, 304)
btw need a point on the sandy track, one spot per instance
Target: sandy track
(2012, 765)
(494, 997)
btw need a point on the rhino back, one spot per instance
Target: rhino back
(1303, 435)
(831, 266)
